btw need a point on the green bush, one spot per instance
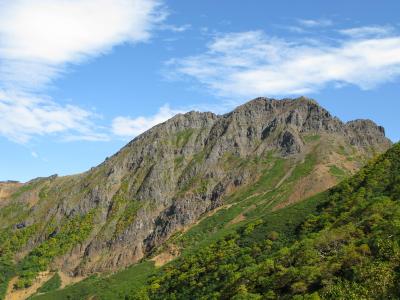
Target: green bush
(52, 284)
(347, 249)
(71, 233)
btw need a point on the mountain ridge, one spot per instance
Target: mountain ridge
(168, 177)
(339, 244)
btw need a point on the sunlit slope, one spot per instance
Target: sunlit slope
(179, 186)
(340, 244)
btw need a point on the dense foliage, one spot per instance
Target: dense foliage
(116, 286)
(10, 242)
(348, 249)
(52, 284)
(71, 233)
(341, 244)
(60, 240)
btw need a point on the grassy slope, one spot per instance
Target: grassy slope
(249, 203)
(253, 202)
(132, 279)
(113, 287)
(348, 248)
(343, 243)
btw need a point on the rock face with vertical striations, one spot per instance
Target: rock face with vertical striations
(167, 178)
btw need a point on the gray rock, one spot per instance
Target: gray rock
(177, 171)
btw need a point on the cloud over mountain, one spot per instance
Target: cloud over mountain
(252, 63)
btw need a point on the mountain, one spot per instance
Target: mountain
(153, 197)
(340, 244)
(347, 246)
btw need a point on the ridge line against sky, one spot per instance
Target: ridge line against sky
(48, 42)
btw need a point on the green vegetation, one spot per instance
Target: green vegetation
(337, 172)
(182, 137)
(311, 138)
(116, 286)
(218, 225)
(127, 217)
(304, 168)
(342, 150)
(72, 232)
(340, 244)
(123, 209)
(209, 230)
(10, 242)
(232, 161)
(119, 198)
(196, 183)
(12, 213)
(178, 161)
(52, 284)
(348, 248)
(23, 189)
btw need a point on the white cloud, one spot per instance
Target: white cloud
(368, 31)
(23, 117)
(40, 39)
(252, 64)
(131, 127)
(315, 23)
(295, 29)
(175, 28)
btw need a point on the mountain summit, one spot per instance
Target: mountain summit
(168, 178)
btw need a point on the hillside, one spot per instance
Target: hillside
(340, 244)
(184, 183)
(347, 249)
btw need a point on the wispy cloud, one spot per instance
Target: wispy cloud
(252, 64)
(315, 23)
(368, 31)
(25, 116)
(176, 28)
(40, 40)
(128, 127)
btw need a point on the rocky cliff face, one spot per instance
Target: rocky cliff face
(167, 178)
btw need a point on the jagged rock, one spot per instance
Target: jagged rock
(289, 143)
(20, 225)
(168, 177)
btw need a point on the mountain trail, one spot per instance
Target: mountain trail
(22, 294)
(67, 280)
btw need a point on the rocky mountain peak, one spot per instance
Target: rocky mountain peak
(168, 177)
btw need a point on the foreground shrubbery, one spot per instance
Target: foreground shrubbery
(342, 244)
(52, 284)
(348, 249)
(70, 233)
(10, 242)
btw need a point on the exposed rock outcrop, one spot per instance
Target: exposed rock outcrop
(166, 178)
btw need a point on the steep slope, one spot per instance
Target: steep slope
(169, 177)
(340, 244)
(349, 248)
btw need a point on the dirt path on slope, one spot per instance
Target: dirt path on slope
(166, 256)
(23, 294)
(67, 280)
(208, 214)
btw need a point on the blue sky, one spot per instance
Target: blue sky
(79, 79)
